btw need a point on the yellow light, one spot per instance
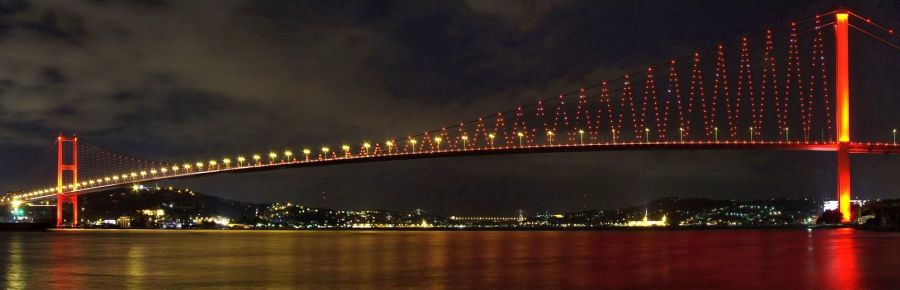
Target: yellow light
(143, 173)
(153, 171)
(256, 157)
(272, 155)
(186, 166)
(226, 161)
(174, 168)
(389, 143)
(464, 137)
(199, 165)
(580, 131)
(306, 151)
(288, 153)
(438, 139)
(345, 147)
(163, 170)
(491, 135)
(16, 203)
(842, 16)
(325, 149)
(213, 163)
(241, 159)
(413, 141)
(366, 145)
(520, 134)
(134, 174)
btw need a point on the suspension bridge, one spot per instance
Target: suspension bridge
(787, 89)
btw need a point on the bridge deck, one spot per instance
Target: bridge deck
(857, 148)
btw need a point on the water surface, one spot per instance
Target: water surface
(707, 259)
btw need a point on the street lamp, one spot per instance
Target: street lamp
(520, 134)
(751, 134)
(550, 137)
(366, 145)
(390, 145)
(438, 141)
(894, 132)
(306, 153)
(491, 138)
(325, 150)
(716, 133)
(581, 135)
(288, 154)
(272, 156)
(227, 162)
(256, 158)
(346, 149)
(241, 160)
(613, 135)
(464, 139)
(787, 134)
(680, 134)
(413, 142)
(647, 135)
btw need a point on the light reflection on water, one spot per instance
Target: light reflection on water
(736, 259)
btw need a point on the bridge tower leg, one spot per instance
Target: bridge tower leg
(842, 102)
(61, 168)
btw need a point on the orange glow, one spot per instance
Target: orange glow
(842, 82)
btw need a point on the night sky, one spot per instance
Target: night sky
(193, 80)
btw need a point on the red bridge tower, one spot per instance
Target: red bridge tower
(842, 89)
(61, 168)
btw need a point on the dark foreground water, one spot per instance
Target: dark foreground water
(712, 259)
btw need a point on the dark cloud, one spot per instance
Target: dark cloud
(192, 80)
